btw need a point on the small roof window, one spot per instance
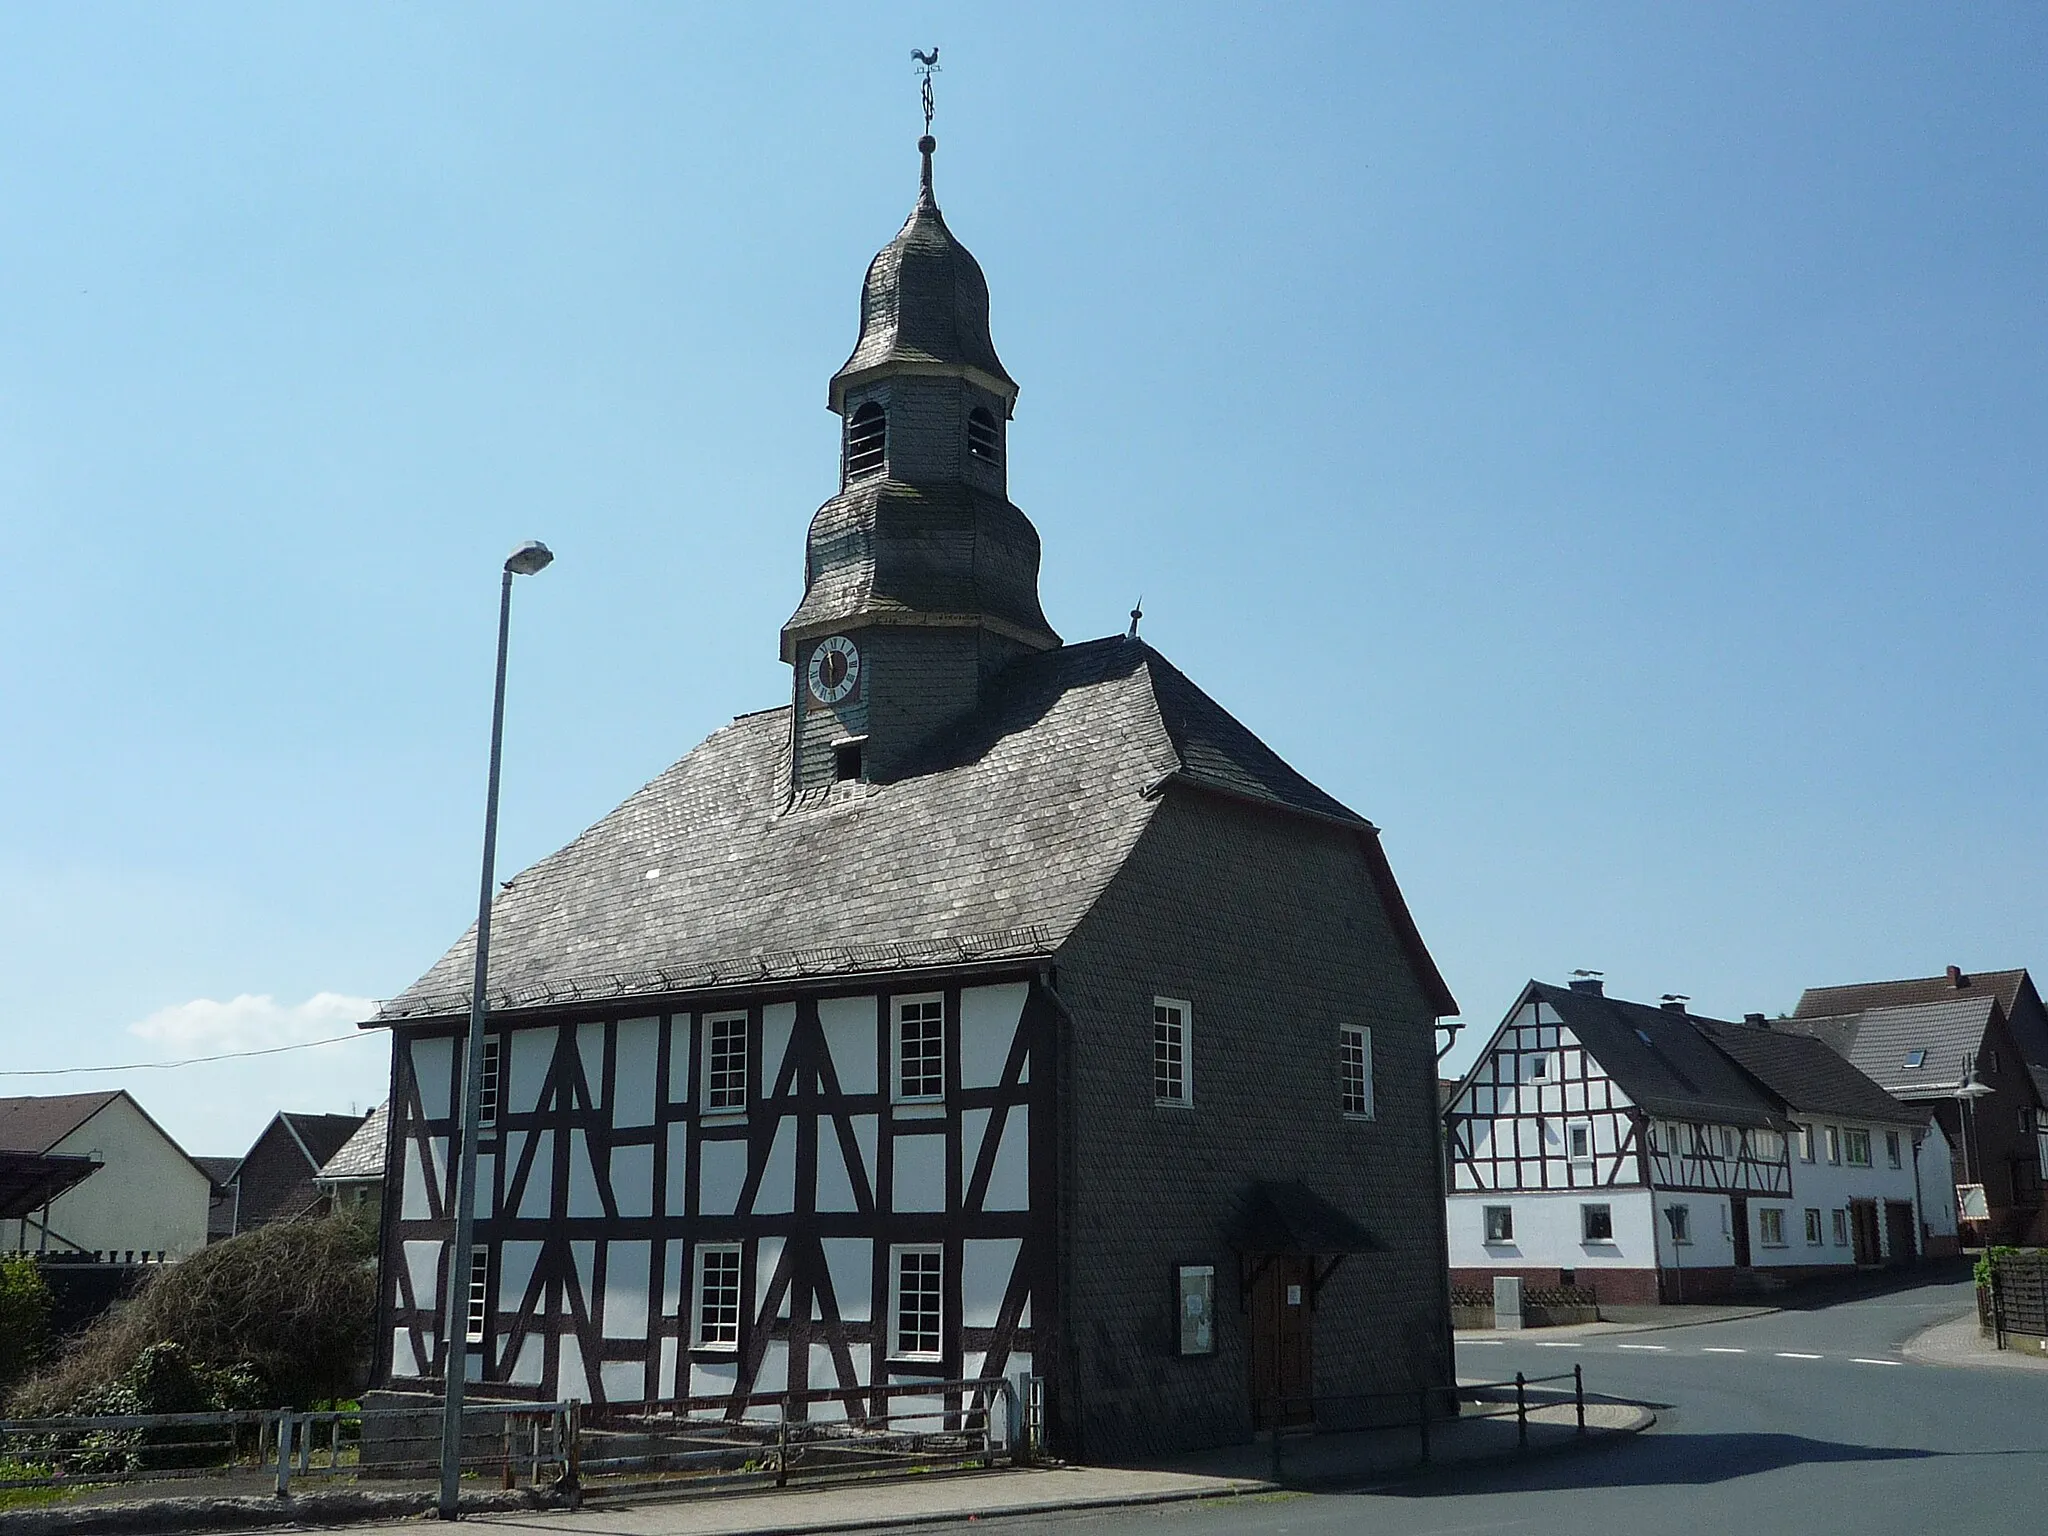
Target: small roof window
(1916, 1058)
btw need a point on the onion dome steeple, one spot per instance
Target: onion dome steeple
(924, 307)
(920, 576)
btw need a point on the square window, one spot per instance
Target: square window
(1500, 1224)
(718, 1296)
(479, 1294)
(1172, 1081)
(1195, 1307)
(1813, 1226)
(725, 1061)
(920, 1049)
(1893, 1153)
(1578, 1138)
(1856, 1148)
(487, 1081)
(1841, 1229)
(1916, 1059)
(1770, 1222)
(1355, 1063)
(1803, 1133)
(918, 1275)
(1538, 1066)
(1596, 1223)
(1679, 1218)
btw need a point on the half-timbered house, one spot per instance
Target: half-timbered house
(996, 1006)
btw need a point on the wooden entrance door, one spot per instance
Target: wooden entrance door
(1738, 1225)
(1280, 1338)
(1899, 1224)
(1863, 1231)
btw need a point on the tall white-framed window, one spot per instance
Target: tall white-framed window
(920, 1050)
(1833, 1136)
(1802, 1133)
(715, 1304)
(916, 1302)
(1354, 1046)
(1578, 1140)
(1173, 1073)
(488, 1081)
(479, 1295)
(1841, 1228)
(1770, 1226)
(1813, 1236)
(725, 1062)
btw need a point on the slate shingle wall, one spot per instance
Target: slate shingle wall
(1269, 926)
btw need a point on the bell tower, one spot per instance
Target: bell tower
(920, 576)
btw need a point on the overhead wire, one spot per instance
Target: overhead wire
(189, 1061)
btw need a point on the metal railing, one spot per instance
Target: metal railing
(1302, 1418)
(524, 1443)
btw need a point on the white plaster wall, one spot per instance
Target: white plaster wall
(1829, 1187)
(147, 1195)
(1938, 1182)
(1713, 1240)
(1547, 1231)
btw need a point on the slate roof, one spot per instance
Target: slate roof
(1877, 1041)
(1807, 1074)
(36, 1124)
(1286, 1216)
(924, 301)
(320, 1136)
(1659, 1058)
(362, 1155)
(1834, 1002)
(995, 848)
(219, 1169)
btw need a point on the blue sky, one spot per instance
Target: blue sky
(1602, 444)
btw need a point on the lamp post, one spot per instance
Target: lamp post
(1967, 1092)
(528, 559)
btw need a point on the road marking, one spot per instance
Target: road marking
(1859, 1360)
(1719, 1349)
(1554, 1343)
(1787, 1354)
(1661, 1348)
(1469, 1342)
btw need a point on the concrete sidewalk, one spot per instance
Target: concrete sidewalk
(1363, 1459)
(1960, 1342)
(1624, 1319)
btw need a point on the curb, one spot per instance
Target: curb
(1608, 1330)
(164, 1517)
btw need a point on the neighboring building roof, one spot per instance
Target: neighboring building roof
(1881, 1042)
(1446, 1090)
(994, 850)
(362, 1155)
(320, 1136)
(1661, 1061)
(1807, 1074)
(36, 1124)
(1833, 1002)
(220, 1169)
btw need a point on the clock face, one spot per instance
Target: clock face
(834, 670)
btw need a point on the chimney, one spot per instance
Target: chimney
(1675, 1005)
(1588, 984)
(1956, 978)
(1753, 1018)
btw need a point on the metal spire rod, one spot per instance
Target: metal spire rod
(927, 66)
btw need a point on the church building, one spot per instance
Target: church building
(994, 1006)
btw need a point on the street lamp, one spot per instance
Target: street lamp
(527, 560)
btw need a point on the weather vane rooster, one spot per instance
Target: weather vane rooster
(927, 66)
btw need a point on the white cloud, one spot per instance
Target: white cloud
(250, 1022)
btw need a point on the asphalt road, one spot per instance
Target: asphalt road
(1808, 1421)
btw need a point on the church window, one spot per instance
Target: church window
(1172, 1079)
(867, 439)
(725, 1062)
(920, 1049)
(718, 1296)
(1356, 1058)
(984, 437)
(479, 1294)
(918, 1302)
(487, 1082)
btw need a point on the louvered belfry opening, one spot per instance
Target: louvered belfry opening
(867, 440)
(984, 438)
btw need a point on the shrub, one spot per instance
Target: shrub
(24, 1321)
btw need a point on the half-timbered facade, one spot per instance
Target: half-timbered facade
(999, 1006)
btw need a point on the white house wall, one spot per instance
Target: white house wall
(148, 1197)
(1937, 1182)
(1549, 1231)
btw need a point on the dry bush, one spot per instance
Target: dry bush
(290, 1307)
